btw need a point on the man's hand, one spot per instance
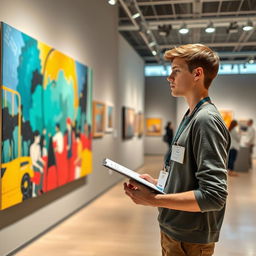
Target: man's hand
(139, 193)
(148, 178)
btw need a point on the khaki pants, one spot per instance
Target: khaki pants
(171, 247)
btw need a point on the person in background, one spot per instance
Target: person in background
(168, 134)
(234, 147)
(251, 138)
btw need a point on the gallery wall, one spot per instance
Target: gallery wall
(131, 84)
(158, 104)
(86, 31)
(228, 92)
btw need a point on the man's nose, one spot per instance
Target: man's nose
(170, 78)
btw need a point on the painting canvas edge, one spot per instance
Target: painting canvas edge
(1, 26)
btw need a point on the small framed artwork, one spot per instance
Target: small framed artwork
(227, 116)
(99, 109)
(140, 124)
(153, 126)
(109, 118)
(128, 122)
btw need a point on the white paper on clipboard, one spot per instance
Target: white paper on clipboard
(130, 174)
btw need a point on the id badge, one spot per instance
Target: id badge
(178, 153)
(162, 180)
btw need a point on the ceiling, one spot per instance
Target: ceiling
(234, 45)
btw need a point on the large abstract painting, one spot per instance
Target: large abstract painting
(46, 102)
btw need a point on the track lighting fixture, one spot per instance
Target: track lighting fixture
(248, 26)
(112, 2)
(210, 28)
(183, 30)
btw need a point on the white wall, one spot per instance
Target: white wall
(160, 104)
(131, 83)
(86, 31)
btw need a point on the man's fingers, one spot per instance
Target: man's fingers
(134, 183)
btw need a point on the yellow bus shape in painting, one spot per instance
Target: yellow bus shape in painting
(16, 174)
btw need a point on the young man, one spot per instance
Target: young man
(192, 210)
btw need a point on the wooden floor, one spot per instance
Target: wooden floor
(113, 226)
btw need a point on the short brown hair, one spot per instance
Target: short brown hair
(197, 55)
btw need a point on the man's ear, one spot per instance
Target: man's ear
(198, 72)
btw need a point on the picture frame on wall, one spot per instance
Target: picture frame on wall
(99, 114)
(109, 118)
(153, 126)
(128, 120)
(140, 124)
(136, 124)
(227, 116)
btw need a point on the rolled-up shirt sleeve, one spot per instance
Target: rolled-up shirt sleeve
(211, 141)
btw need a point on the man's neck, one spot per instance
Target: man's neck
(193, 99)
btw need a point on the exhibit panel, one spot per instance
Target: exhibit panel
(46, 118)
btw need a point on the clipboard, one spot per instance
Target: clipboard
(130, 174)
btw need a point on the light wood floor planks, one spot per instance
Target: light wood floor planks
(113, 226)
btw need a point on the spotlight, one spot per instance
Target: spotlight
(154, 53)
(251, 60)
(151, 44)
(233, 28)
(112, 2)
(183, 30)
(136, 15)
(164, 30)
(248, 26)
(210, 28)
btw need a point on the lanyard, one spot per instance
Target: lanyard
(185, 121)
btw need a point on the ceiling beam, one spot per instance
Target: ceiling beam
(231, 44)
(167, 2)
(246, 55)
(245, 39)
(138, 26)
(205, 14)
(226, 44)
(192, 23)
